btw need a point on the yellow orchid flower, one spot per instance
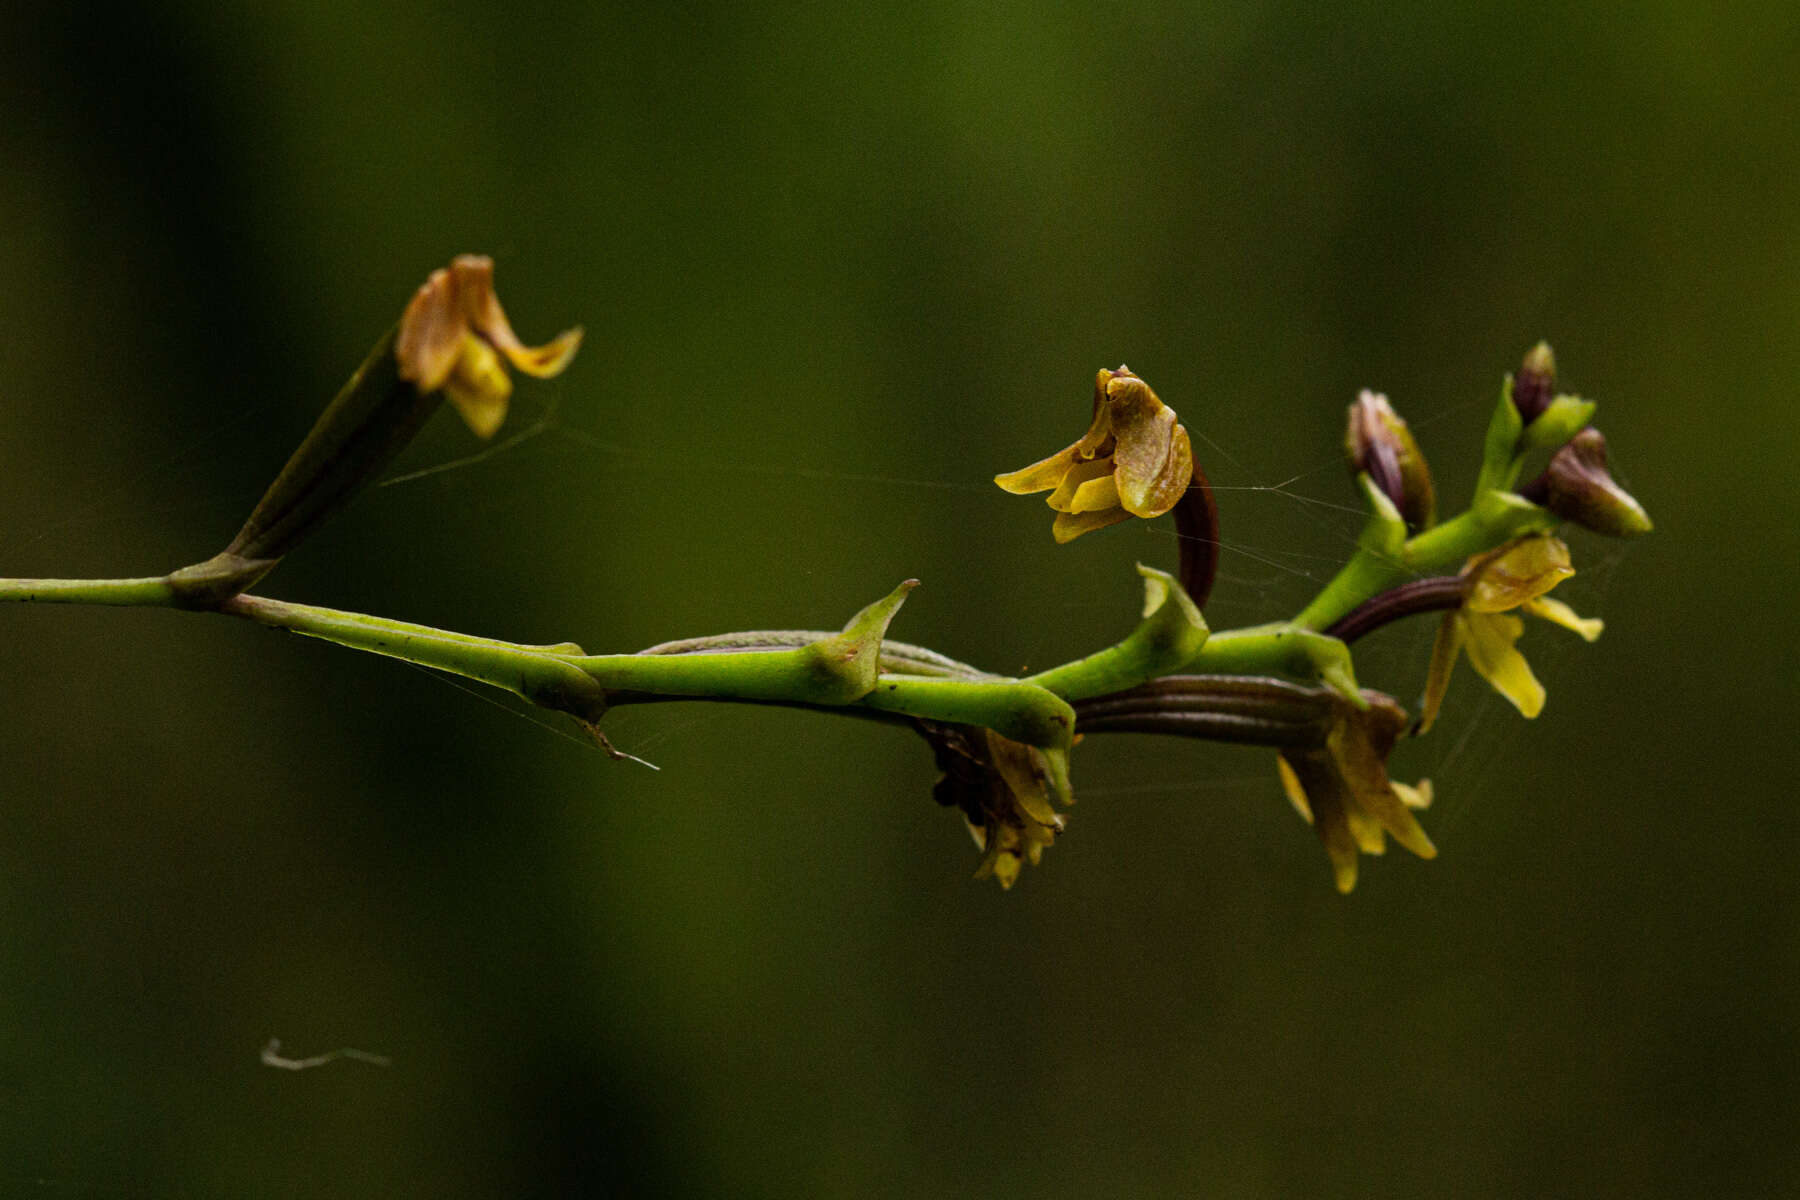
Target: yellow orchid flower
(1514, 576)
(1134, 461)
(1005, 790)
(1342, 787)
(453, 335)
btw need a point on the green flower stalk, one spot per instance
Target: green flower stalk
(1001, 744)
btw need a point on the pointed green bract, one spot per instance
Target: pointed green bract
(850, 662)
(1500, 449)
(1566, 417)
(1168, 636)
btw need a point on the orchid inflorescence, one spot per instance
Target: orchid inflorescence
(1002, 744)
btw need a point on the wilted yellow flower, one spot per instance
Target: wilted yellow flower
(1134, 461)
(1007, 792)
(1342, 787)
(1514, 576)
(453, 335)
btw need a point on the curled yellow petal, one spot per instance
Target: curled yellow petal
(1558, 613)
(1042, 475)
(1342, 786)
(1064, 496)
(1095, 495)
(1414, 795)
(1069, 526)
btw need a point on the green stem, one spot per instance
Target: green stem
(148, 593)
(544, 678)
(1279, 648)
(1494, 520)
(580, 684)
(1170, 633)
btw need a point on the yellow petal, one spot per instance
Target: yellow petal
(1340, 847)
(1443, 663)
(1096, 495)
(1366, 830)
(452, 334)
(1388, 808)
(1005, 868)
(1489, 639)
(1360, 762)
(1019, 773)
(1177, 475)
(1095, 441)
(1559, 613)
(1417, 795)
(1146, 438)
(473, 278)
(1323, 807)
(1517, 572)
(1290, 783)
(1069, 526)
(1040, 476)
(432, 331)
(542, 362)
(1064, 496)
(478, 387)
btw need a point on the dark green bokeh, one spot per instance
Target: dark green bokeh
(838, 267)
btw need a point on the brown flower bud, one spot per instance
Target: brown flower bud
(1378, 443)
(1535, 384)
(1578, 487)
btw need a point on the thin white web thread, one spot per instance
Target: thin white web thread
(272, 1057)
(114, 498)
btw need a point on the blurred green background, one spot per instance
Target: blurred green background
(838, 265)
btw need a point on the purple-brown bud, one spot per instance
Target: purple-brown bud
(1378, 443)
(1578, 487)
(1535, 384)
